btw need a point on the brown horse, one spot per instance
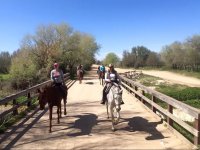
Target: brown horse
(53, 96)
(80, 75)
(101, 77)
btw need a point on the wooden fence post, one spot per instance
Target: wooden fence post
(197, 127)
(15, 112)
(169, 120)
(136, 88)
(153, 98)
(143, 93)
(29, 98)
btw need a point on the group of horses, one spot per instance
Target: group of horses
(53, 96)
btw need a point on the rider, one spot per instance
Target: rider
(112, 76)
(102, 68)
(80, 72)
(57, 78)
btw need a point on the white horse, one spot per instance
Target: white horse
(114, 98)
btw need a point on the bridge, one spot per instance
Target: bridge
(86, 125)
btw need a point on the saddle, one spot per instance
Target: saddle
(60, 87)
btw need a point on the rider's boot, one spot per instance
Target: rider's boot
(122, 102)
(103, 98)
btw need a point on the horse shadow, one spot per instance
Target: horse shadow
(84, 123)
(89, 83)
(141, 124)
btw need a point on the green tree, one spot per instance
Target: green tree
(111, 58)
(62, 44)
(23, 70)
(5, 62)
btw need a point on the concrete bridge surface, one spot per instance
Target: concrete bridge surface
(86, 125)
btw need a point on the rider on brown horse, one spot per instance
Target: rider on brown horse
(112, 76)
(58, 79)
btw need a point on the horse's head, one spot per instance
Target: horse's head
(117, 94)
(42, 99)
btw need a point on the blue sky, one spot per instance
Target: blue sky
(117, 25)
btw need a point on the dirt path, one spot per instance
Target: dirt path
(86, 125)
(169, 76)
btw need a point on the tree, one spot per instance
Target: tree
(153, 60)
(5, 62)
(111, 58)
(62, 44)
(141, 54)
(128, 60)
(23, 70)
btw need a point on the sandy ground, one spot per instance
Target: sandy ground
(86, 125)
(169, 76)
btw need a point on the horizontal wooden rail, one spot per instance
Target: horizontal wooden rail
(172, 103)
(27, 94)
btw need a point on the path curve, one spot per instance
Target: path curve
(170, 76)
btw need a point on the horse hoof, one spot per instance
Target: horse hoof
(65, 113)
(49, 131)
(113, 130)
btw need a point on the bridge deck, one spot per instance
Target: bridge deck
(86, 125)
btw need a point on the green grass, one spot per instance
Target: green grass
(5, 77)
(188, 95)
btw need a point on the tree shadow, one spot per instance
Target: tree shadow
(141, 124)
(85, 123)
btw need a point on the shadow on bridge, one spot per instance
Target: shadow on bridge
(141, 124)
(85, 123)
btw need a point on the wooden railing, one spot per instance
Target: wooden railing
(139, 92)
(29, 94)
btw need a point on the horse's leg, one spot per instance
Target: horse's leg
(58, 112)
(107, 109)
(118, 117)
(64, 100)
(112, 118)
(100, 80)
(50, 118)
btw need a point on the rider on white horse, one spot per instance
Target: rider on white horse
(112, 76)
